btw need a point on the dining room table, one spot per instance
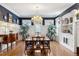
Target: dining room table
(38, 44)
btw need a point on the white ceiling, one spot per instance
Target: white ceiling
(32, 9)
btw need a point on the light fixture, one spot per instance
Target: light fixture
(37, 19)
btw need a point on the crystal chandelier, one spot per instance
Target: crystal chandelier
(37, 19)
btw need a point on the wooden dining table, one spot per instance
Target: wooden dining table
(40, 46)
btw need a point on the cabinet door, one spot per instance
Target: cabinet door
(77, 34)
(77, 38)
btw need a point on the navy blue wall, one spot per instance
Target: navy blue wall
(4, 12)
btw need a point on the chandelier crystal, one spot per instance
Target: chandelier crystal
(37, 19)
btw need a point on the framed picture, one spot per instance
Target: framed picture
(10, 18)
(66, 20)
(5, 18)
(71, 19)
(62, 21)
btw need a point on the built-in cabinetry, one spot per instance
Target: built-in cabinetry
(66, 30)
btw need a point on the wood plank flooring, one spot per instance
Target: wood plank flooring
(56, 50)
(18, 50)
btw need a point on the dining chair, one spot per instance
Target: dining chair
(28, 47)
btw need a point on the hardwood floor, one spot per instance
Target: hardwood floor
(18, 50)
(56, 50)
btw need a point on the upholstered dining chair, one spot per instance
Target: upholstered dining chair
(47, 46)
(28, 47)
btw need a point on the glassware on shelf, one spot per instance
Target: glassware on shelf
(71, 19)
(66, 20)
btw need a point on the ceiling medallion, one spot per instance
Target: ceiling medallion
(37, 19)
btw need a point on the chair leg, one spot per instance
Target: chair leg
(49, 51)
(25, 52)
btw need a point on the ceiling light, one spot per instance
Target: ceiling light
(37, 19)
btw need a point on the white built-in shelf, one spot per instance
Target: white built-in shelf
(77, 20)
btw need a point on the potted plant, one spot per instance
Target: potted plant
(24, 31)
(51, 34)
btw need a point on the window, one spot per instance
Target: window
(28, 22)
(49, 21)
